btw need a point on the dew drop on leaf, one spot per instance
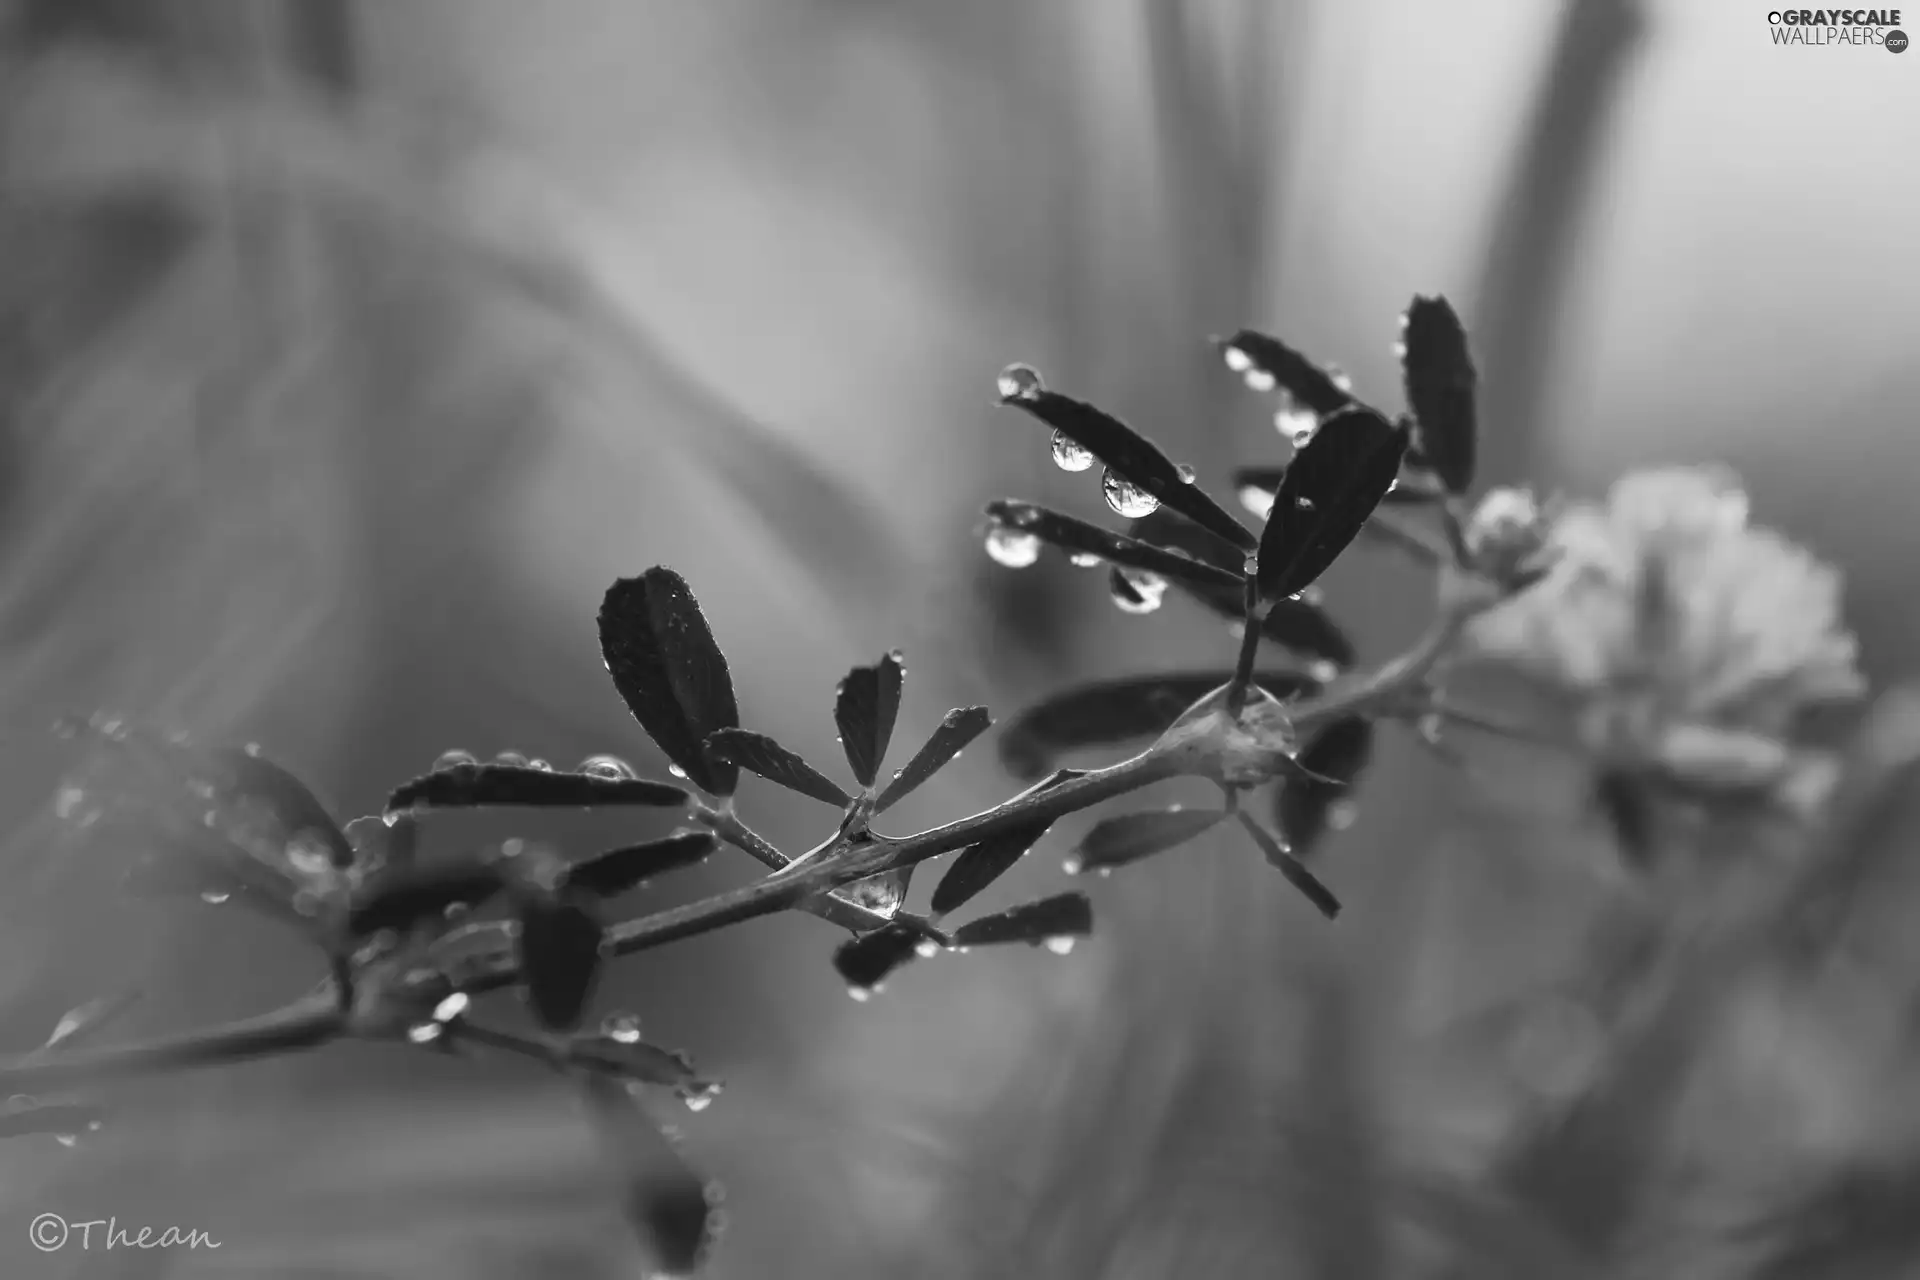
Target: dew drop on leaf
(1297, 424)
(1060, 945)
(926, 948)
(1260, 379)
(66, 1139)
(1237, 360)
(453, 760)
(1146, 592)
(1186, 473)
(1069, 454)
(1012, 548)
(214, 897)
(621, 1028)
(1073, 866)
(1019, 382)
(1083, 560)
(676, 771)
(1126, 498)
(1323, 670)
(608, 768)
(698, 1097)
(452, 1007)
(1341, 814)
(512, 760)
(424, 1032)
(1340, 378)
(861, 994)
(542, 765)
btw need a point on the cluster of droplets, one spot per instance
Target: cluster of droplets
(1022, 383)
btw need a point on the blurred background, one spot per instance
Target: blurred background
(349, 350)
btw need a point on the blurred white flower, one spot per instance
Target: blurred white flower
(1663, 611)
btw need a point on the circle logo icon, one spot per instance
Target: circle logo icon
(1896, 41)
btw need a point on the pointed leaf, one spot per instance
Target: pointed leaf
(669, 671)
(864, 962)
(1073, 535)
(1066, 915)
(672, 1208)
(473, 786)
(1134, 458)
(1310, 386)
(1330, 762)
(960, 727)
(559, 944)
(865, 708)
(979, 865)
(616, 871)
(1116, 711)
(1334, 484)
(397, 898)
(1282, 860)
(1129, 837)
(1440, 382)
(758, 753)
(1298, 625)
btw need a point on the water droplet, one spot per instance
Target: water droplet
(1012, 548)
(1135, 591)
(1083, 560)
(926, 948)
(1323, 670)
(621, 1028)
(1399, 350)
(1297, 424)
(307, 856)
(1069, 454)
(1256, 500)
(1260, 380)
(214, 897)
(452, 1007)
(861, 994)
(1185, 472)
(1060, 944)
(698, 1097)
(1126, 498)
(1341, 814)
(1304, 503)
(1237, 360)
(66, 1139)
(1073, 866)
(677, 771)
(456, 911)
(454, 759)
(1019, 382)
(252, 749)
(1340, 377)
(424, 1032)
(511, 759)
(543, 766)
(607, 768)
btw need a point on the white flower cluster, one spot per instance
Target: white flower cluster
(1664, 594)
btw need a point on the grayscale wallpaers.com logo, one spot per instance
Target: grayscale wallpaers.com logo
(1839, 26)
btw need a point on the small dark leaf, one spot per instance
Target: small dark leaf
(672, 1208)
(979, 865)
(760, 754)
(1408, 492)
(1165, 527)
(397, 898)
(472, 786)
(1134, 458)
(864, 962)
(1310, 385)
(865, 708)
(1440, 382)
(1116, 711)
(1329, 763)
(1129, 837)
(1073, 535)
(559, 944)
(1292, 868)
(960, 727)
(669, 671)
(63, 1119)
(1066, 915)
(1333, 485)
(614, 872)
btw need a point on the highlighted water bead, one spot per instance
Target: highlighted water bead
(1069, 454)
(1126, 498)
(1011, 547)
(1020, 382)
